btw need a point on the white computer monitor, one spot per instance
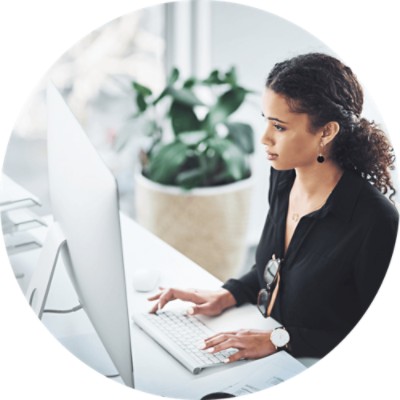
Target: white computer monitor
(86, 232)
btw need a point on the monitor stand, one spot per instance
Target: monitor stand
(40, 282)
(37, 293)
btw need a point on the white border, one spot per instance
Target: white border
(33, 34)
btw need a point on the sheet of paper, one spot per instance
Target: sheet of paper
(247, 377)
(279, 368)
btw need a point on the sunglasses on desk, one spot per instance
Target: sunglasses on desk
(267, 296)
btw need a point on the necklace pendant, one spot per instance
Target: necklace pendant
(295, 217)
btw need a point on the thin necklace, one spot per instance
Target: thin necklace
(296, 216)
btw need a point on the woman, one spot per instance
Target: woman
(330, 230)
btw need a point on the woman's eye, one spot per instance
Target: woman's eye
(279, 128)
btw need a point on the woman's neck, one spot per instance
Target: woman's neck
(317, 181)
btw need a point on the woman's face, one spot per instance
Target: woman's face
(288, 140)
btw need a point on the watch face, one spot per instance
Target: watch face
(280, 337)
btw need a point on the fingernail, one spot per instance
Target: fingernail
(190, 311)
(210, 350)
(226, 360)
(201, 345)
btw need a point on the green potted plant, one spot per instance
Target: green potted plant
(194, 187)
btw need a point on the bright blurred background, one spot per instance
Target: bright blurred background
(95, 78)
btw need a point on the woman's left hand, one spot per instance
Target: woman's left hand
(251, 344)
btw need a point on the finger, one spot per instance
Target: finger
(218, 341)
(227, 344)
(154, 309)
(157, 295)
(239, 355)
(165, 298)
(172, 294)
(160, 304)
(189, 295)
(212, 338)
(202, 309)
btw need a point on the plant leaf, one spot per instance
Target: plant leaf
(232, 157)
(183, 118)
(192, 138)
(213, 78)
(164, 165)
(190, 178)
(189, 83)
(141, 102)
(173, 76)
(185, 96)
(226, 104)
(242, 135)
(143, 90)
(231, 77)
(161, 96)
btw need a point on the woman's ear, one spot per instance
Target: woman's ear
(329, 132)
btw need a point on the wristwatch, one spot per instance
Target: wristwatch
(280, 338)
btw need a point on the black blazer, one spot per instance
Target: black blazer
(334, 266)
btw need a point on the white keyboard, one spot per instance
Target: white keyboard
(181, 335)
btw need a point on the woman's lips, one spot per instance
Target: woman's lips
(272, 156)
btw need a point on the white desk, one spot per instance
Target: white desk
(155, 370)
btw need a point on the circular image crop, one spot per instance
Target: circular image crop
(199, 200)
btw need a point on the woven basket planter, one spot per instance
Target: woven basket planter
(208, 225)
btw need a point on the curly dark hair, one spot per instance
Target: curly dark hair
(327, 90)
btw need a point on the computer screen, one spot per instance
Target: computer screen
(86, 232)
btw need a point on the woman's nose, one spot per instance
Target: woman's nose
(266, 138)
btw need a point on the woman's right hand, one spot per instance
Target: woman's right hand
(206, 302)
